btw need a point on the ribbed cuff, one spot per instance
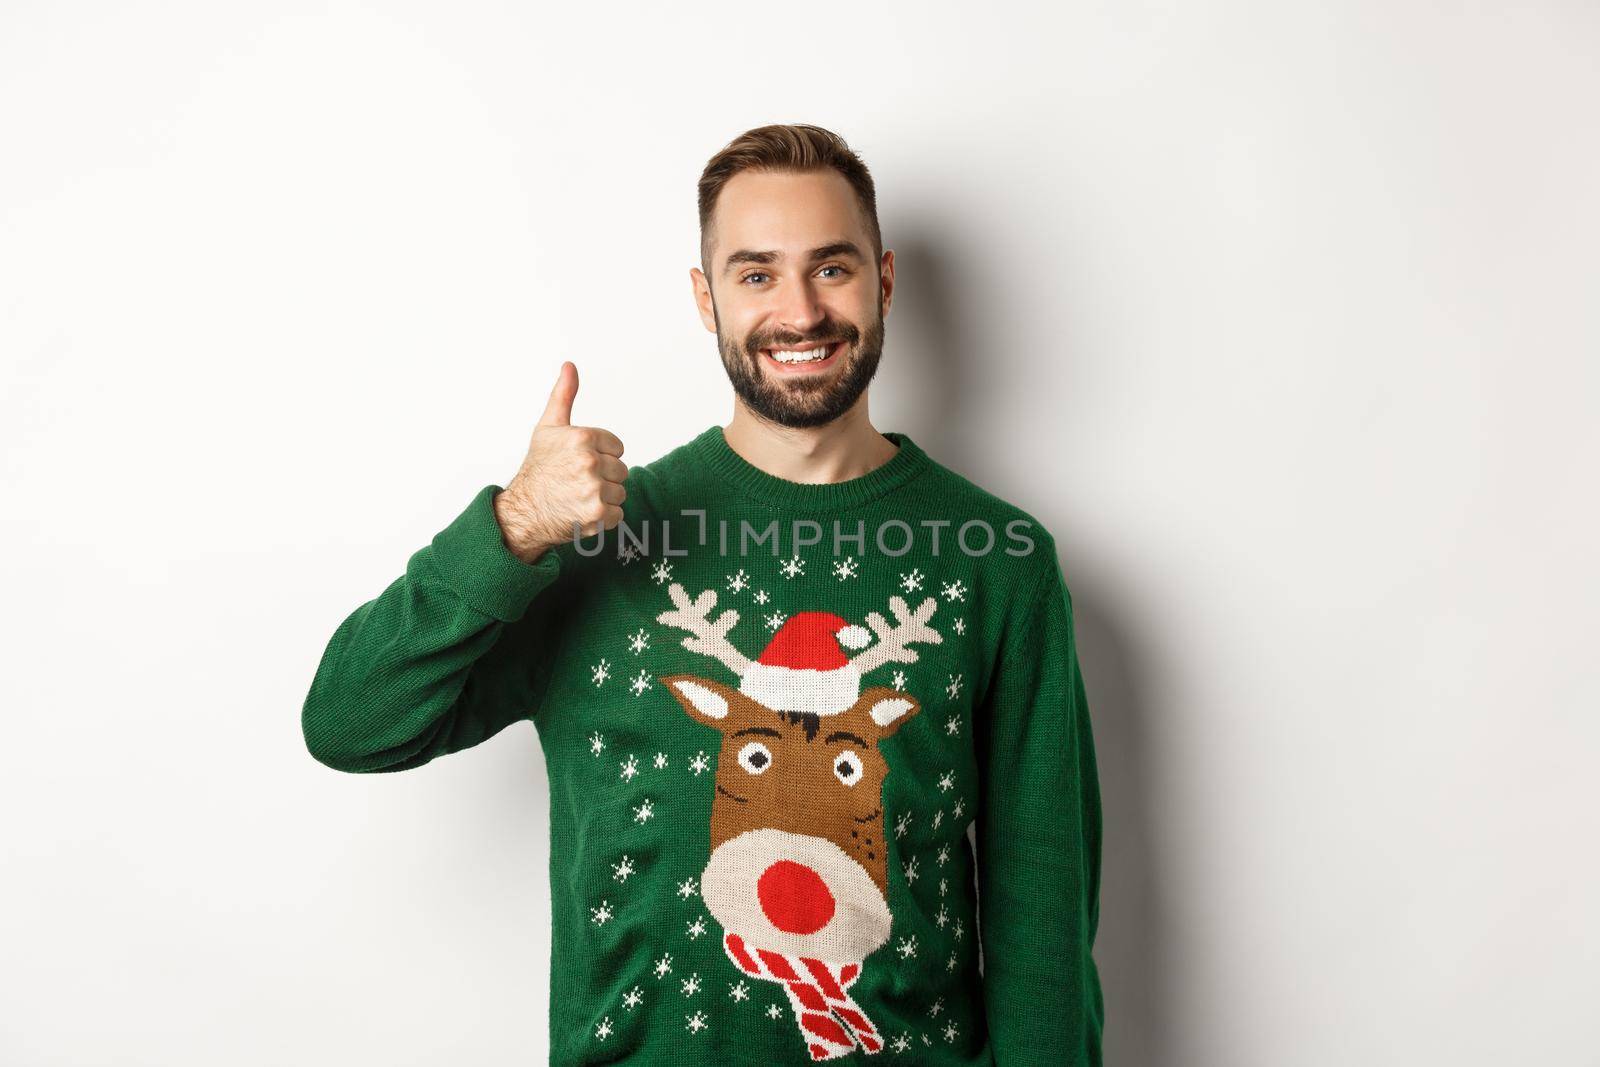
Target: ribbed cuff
(472, 556)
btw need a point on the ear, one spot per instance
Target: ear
(702, 698)
(888, 708)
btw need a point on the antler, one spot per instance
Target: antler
(893, 640)
(705, 634)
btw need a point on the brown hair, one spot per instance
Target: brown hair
(800, 148)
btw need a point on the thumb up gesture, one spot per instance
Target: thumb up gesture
(570, 482)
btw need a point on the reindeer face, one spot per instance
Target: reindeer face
(797, 852)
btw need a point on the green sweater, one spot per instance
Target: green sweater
(765, 750)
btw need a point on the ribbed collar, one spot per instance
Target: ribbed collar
(711, 448)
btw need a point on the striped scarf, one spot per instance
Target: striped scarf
(831, 1023)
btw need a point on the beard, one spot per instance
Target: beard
(802, 401)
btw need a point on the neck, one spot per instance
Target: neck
(845, 448)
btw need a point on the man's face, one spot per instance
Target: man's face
(795, 295)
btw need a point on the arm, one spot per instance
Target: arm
(446, 657)
(1039, 841)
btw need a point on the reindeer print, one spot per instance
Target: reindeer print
(798, 867)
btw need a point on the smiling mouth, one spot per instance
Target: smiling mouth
(731, 796)
(808, 355)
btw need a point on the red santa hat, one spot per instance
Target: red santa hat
(804, 666)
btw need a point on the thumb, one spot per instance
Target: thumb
(558, 412)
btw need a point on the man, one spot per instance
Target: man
(776, 674)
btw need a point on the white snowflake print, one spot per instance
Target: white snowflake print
(620, 871)
(947, 781)
(640, 684)
(907, 947)
(603, 1030)
(699, 763)
(935, 1008)
(686, 888)
(628, 553)
(952, 725)
(737, 582)
(950, 1030)
(775, 620)
(663, 966)
(910, 583)
(960, 806)
(959, 626)
(902, 824)
(938, 819)
(944, 886)
(638, 642)
(632, 998)
(925, 1040)
(645, 811)
(696, 1022)
(739, 991)
(601, 915)
(691, 985)
(952, 688)
(941, 916)
(596, 743)
(793, 568)
(600, 672)
(950, 964)
(901, 1043)
(761, 596)
(662, 573)
(954, 591)
(660, 761)
(957, 930)
(774, 1012)
(630, 767)
(845, 568)
(944, 855)
(899, 679)
(696, 929)
(911, 871)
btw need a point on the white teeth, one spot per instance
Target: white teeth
(794, 355)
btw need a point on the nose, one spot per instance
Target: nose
(799, 309)
(794, 897)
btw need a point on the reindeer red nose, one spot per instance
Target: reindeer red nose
(794, 897)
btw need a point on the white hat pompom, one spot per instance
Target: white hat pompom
(854, 636)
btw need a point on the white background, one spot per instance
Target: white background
(1282, 316)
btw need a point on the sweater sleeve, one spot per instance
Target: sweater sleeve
(446, 657)
(1038, 847)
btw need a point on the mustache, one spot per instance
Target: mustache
(847, 336)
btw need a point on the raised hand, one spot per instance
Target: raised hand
(570, 482)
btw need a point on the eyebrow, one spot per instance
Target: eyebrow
(827, 251)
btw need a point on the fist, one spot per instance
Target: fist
(570, 482)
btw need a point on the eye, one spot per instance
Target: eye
(755, 757)
(746, 279)
(847, 767)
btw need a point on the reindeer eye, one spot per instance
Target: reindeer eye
(847, 767)
(755, 757)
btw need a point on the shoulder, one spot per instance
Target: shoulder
(654, 488)
(1023, 546)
